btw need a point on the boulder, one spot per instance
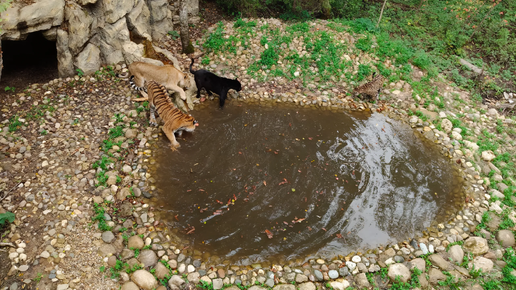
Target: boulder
(116, 9)
(398, 270)
(80, 23)
(19, 20)
(111, 40)
(505, 238)
(476, 246)
(64, 56)
(138, 21)
(88, 60)
(456, 253)
(144, 280)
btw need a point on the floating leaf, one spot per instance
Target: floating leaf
(293, 190)
(269, 234)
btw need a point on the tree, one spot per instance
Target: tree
(186, 44)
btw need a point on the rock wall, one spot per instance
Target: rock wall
(92, 33)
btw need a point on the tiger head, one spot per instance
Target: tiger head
(188, 123)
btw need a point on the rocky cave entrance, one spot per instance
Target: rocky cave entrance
(33, 60)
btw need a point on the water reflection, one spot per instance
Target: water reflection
(256, 182)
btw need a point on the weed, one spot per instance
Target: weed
(10, 89)
(14, 123)
(174, 34)
(38, 277)
(99, 216)
(80, 73)
(7, 217)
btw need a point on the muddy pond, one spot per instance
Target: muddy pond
(273, 182)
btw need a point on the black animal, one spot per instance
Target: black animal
(213, 83)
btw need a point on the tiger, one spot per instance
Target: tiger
(371, 88)
(174, 119)
(167, 75)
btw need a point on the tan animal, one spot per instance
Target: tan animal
(371, 88)
(166, 75)
(174, 119)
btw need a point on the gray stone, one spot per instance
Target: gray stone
(456, 253)
(39, 15)
(269, 283)
(318, 275)
(148, 258)
(172, 263)
(111, 41)
(339, 285)
(144, 280)
(88, 60)
(476, 245)
(64, 56)
(108, 237)
(116, 9)
(138, 20)
(400, 270)
(343, 272)
(333, 274)
(505, 238)
(79, 27)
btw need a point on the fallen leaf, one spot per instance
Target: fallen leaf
(269, 234)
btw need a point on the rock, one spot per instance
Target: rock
(456, 253)
(79, 27)
(175, 281)
(306, 286)
(148, 258)
(482, 263)
(144, 279)
(123, 193)
(106, 250)
(488, 155)
(62, 286)
(505, 238)
(396, 270)
(135, 242)
(492, 112)
(361, 280)
(217, 284)
(318, 275)
(476, 245)
(446, 125)
(130, 286)
(193, 277)
(339, 285)
(88, 60)
(39, 15)
(333, 274)
(439, 261)
(300, 278)
(435, 276)
(418, 263)
(111, 261)
(112, 37)
(138, 21)
(284, 287)
(160, 271)
(456, 135)
(64, 55)
(108, 237)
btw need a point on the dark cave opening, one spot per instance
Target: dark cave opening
(33, 60)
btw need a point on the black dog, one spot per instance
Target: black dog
(213, 83)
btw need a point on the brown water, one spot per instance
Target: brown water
(320, 182)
